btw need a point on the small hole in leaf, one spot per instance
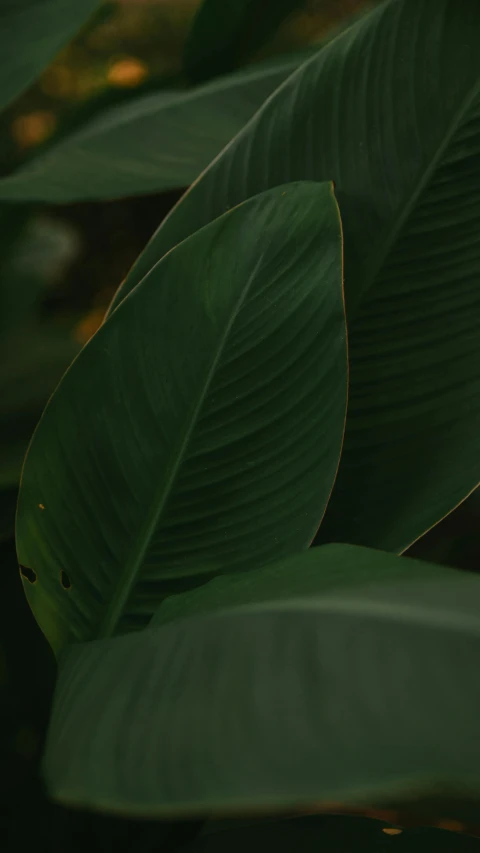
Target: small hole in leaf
(28, 574)
(66, 582)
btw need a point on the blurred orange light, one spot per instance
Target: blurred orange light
(89, 325)
(392, 830)
(127, 72)
(34, 128)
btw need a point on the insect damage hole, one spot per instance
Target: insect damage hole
(65, 580)
(28, 574)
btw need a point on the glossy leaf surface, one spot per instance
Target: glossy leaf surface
(200, 429)
(31, 33)
(390, 111)
(362, 696)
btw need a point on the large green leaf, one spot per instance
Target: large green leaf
(330, 567)
(156, 142)
(361, 696)
(390, 111)
(31, 33)
(333, 834)
(224, 34)
(200, 429)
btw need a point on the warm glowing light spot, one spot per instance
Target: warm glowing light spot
(392, 830)
(41, 506)
(127, 72)
(34, 128)
(88, 325)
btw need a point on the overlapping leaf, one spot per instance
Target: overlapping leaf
(390, 110)
(200, 429)
(362, 695)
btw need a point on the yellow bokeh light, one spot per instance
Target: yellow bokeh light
(392, 830)
(127, 72)
(33, 128)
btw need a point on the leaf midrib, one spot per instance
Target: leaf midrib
(139, 550)
(374, 269)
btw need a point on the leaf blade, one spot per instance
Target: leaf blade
(171, 432)
(408, 192)
(279, 705)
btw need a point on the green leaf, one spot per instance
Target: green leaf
(31, 33)
(332, 833)
(200, 428)
(363, 696)
(408, 182)
(318, 570)
(156, 142)
(225, 34)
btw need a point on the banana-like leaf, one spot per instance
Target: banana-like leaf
(332, 833)
(390, 111)
(365, 696)
(330, 567)
(156, 142)
(31, 33)
(224, 34)
(200, 428)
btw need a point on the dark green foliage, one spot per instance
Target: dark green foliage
(218, 679)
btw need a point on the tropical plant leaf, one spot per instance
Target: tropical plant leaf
(409, 193)
(335, 833)
(225, 34)
(361, 697)
(31, 33)
(319, 570)
(156, 142)
(200, 428)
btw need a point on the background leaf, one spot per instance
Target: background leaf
(224, 34)
(156, 142)
(31, 33)
(200, 429)
(364, 697)
(409, 193)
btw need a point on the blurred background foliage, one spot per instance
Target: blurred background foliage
(59, 267)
